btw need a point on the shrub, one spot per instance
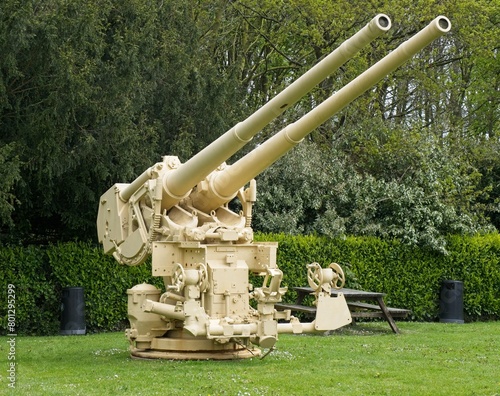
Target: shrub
(411, 277)
(39, 275)
(105, 282)
(36, 303)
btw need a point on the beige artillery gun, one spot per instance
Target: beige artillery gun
(180, 215)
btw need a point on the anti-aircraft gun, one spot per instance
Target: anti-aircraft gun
(180, 215)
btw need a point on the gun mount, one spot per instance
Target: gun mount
(204, 252)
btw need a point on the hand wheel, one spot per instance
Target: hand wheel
(338, 281)
(178, 278)
(314, 276)
(203, 277)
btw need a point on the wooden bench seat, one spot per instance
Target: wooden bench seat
(364, 310)
(358, 310)
(296, 308)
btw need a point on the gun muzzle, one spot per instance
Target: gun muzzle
(225, 184)
(178, 183)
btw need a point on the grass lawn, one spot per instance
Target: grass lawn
(367, 359)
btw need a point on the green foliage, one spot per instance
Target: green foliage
(40, 274)
(37, 304)
(480, 272)
(404, 160)
(410, 276)
(104, 281)
(94, 92)
(9, 174)
(399, 191)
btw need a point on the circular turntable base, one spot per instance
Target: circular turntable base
(195, 355)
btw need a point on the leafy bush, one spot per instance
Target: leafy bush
(418, 202)
(39, 275)
(410, 276)
(36, 303)
(104, 281)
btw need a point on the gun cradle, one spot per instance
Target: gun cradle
(204, 251)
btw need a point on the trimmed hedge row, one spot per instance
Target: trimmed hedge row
(410, 276)
(40, 273)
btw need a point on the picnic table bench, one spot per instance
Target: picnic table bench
(358, 308)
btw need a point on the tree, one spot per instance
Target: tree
(9, 174)
(92, 94)
(318, 191)
(405, 146)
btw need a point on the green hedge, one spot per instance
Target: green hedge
(410, 276)
(40, 273)
(36, 295)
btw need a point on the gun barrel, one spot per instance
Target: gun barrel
(179, 182)
(129, 190)
(227, 182)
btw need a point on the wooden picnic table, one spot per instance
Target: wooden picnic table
(356, 300)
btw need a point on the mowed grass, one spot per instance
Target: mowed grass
(367, 359)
